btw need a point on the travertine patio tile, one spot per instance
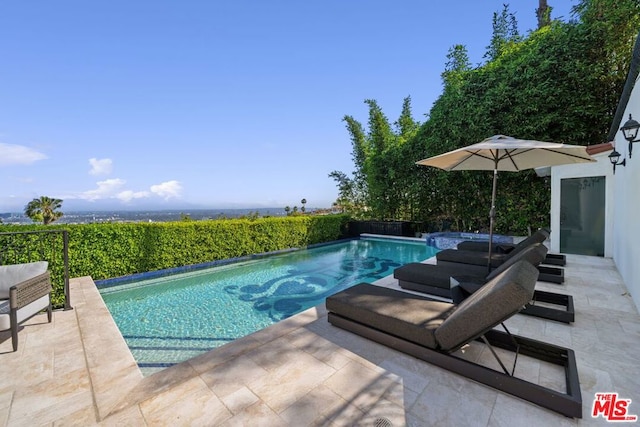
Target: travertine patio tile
(384, 411)
(414, 373)
(26, 368)
(232, 375)
(140, 389)
(50, 409)
(85, 416)
(237, 401)
(68, 359)
(39, 397)
(510, 411)
(274, 353)
(312, 407)
(343, 416)
(356, 380)
(527, 368)
(211, 359)
(553, 377)
(189, 403)
(443, 405)
(4, 416)
(462, 385)
(319, 347)
(257, 414)
(132, 416)
(284, 385)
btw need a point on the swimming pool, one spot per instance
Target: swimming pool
(170, 319)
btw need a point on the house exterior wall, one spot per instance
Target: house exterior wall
(581, 170)
(626, 210)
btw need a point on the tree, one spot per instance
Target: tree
(304, 202)
(561, 83)
(543, 13)
(287, 209)
(457, 63)
(44, 209)
(505, 31)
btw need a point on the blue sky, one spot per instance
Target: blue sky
(213, 104)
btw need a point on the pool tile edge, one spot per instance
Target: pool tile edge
(113, 371)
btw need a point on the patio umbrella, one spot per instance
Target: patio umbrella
(505, 153)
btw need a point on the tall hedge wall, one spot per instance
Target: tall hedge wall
(117, 249)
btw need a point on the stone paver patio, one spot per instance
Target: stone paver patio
(303, 371)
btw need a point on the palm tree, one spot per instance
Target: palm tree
(43, 209)
(303, 201)
(287, 209)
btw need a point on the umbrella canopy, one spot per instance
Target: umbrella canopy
(504, 153)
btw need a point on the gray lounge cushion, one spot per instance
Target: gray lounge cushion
(538, 236)
(439, 275)
(496, 301)
(534, 254)
(434, 275)
(398, 313)
(11, 275)
(480, 258)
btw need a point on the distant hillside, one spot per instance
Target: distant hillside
(83, 217)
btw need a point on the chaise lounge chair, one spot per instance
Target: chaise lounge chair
(437, 280)
(433, 331)
(25, 290)
(504, 248)
(476, 261)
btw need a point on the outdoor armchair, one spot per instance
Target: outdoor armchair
(25, 290)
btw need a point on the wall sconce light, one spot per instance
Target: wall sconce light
(630, 132)
(614, 157)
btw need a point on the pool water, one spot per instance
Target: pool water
(171, 319)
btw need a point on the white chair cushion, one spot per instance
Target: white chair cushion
(24, 313)
(13, 274)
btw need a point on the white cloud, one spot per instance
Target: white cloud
(167, 189)
(128, 195)
(106, 189)
(114, 188)
(11, 154)
(100, 166)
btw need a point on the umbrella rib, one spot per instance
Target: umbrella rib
(472, 153)
(565, 154)
(507, 155)
(526, 150)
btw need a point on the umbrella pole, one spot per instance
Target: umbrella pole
(492, 216)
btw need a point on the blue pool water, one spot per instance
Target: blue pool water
(170, 319)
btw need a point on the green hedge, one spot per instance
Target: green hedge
(116, 249)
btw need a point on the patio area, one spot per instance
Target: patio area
(303, 371)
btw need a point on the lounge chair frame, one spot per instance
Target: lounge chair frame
(568, 404)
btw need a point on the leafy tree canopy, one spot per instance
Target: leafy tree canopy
(44, 209)
(558, 83)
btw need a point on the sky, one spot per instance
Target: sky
(159, 104)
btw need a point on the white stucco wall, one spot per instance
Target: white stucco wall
(626, 212)
(581, 170)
